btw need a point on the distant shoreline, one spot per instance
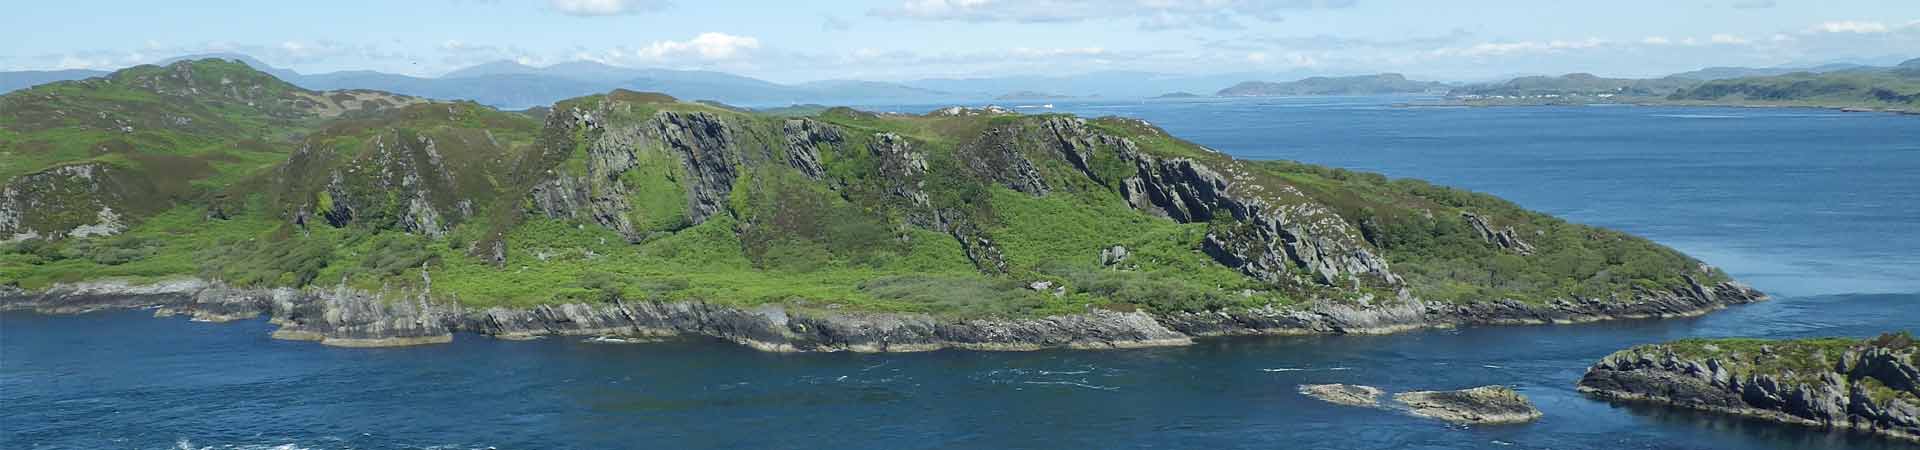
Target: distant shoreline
(1653, 103)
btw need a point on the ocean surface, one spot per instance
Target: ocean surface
(1819, 208)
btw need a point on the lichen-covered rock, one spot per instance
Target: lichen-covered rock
(1504, 238)
(1833, 383)
(1481, 405)
(1270, 239)
(1343, 394)
(72, 201)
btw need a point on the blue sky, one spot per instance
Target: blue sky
(791, 41)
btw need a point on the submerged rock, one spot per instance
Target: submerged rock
(1481, 405)
(1343, 394)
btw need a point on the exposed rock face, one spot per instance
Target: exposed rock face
(401, 181)
(345, 317)
(1343, 394)
(1867, 388)
(804, 139)
(707, 146)
(1481, 405)
(1274, 236)
(349, 318)
(1504, 238)
(72, 201)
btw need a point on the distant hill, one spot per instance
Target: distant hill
(12, 81)
(1721, 73)
(508, 84)
(1178, 95)
(1030, 95)
(1895, 87)
(1582, 84)
(1386, 83)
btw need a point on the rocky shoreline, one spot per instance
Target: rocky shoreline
(352, 318)
(1869, 387)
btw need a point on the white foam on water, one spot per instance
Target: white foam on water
(1075, 384)
(1304, 369)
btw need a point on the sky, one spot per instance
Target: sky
(892, 40)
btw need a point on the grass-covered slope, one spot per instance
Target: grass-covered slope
(94, 156)
(1895, 88)
(631, 196)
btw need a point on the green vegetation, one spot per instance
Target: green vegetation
(1795, 361)
(1896, 88)
(1872, 88)
(640, 197)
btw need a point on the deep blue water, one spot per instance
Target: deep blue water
(1819, 208)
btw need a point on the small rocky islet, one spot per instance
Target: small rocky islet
(1870, 385)
(1485, 405)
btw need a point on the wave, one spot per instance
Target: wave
(1075, 384)
(1301, 369)
(1700, 116)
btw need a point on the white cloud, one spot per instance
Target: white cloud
(606, 7)
(1505, 48)
(702, 50)
(1850, 26)
(1656, 40)
(1727, 39)
(1153, 15)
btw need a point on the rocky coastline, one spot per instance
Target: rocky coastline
(354, 318)
(1866, 386)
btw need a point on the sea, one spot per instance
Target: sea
(1819, 208)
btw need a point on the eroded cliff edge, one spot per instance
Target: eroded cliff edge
(352, 318)
(1871, 385)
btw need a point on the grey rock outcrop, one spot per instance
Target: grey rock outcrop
(71, 201)
(1276, 235)
(1481, 405)
(1504, 238)
(346, 317)
(1869, 389)
(1344, 394)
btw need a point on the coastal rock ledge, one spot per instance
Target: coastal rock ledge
(1481, 405)
(1476, 406)
(1871, 385)
(354, 318)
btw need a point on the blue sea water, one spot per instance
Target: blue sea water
(1819, 208)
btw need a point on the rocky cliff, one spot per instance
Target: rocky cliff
(1871, 385)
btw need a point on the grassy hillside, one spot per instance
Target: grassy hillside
(633, 196)
(1897, 88)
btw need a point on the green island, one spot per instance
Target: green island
(1885, 89)
(1871, 385)
(211, 171)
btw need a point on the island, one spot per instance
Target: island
(1485, 405)
(1031, 95)
(1844, 87)
(1171, 95)
(209, 190)
(1870, 385)
(1381, 84)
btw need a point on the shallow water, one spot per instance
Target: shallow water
(1816, 207)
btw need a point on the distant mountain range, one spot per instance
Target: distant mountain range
(1575, 84)
(12, 81)
(1386, 83)
(1878, 88)
(508, 84)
